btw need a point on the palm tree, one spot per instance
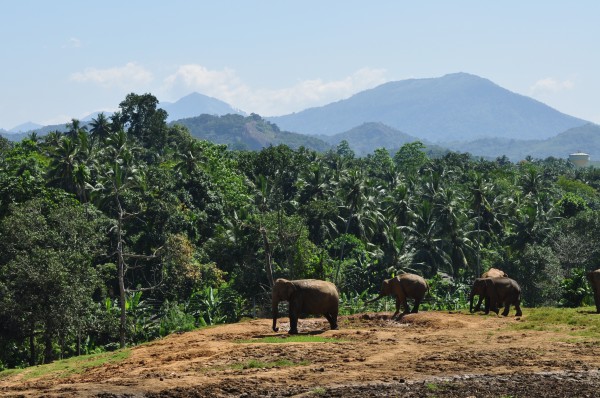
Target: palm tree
(424, 241)
(63, 162)
(74, 129)
(100, 128)
(189, 157)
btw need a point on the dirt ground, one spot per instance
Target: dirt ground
(430, 354)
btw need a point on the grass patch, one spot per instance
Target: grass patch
(291, 339)
(432, 387)
(579, 322)
(9, 372)
(319, 391)
(256, 364)
(74, 365)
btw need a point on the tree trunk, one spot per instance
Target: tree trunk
(121, 270)
(268, 266)
(32, 347)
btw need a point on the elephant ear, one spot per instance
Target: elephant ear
(287, 289)
(489, 288)
(385, 287)
(396, 287)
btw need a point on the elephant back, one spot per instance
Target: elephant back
(414, 286)
(494, 273)
(506, 285)
(317, 296)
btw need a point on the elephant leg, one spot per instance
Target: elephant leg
(518, 308)
(493, 306)
(398, 303)
(478, 305)
(332, 320)
(406, 308)
(293, 323)
(506, 308)
(487, 306)
(416, 306)
(597, 301)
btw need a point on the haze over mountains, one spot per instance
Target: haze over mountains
(459, 111)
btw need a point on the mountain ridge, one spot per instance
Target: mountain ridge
(196, 104)
(457, 106)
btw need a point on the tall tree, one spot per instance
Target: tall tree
(121, 174)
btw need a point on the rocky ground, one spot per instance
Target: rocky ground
(430, 354)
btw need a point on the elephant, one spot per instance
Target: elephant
(594, 278)
(498, 291)
(403, 287)
(491, 273)
(305, 297)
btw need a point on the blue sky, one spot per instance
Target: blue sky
(65, 59)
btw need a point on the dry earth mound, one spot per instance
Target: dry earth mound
(421, 355)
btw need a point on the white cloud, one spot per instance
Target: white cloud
(551, 85)
(73, 42)
(59, 119)
(128, 76)
(227, 86)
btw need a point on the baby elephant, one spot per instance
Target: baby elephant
(403, 287)
(305, 296)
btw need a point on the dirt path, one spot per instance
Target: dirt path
(424, 355)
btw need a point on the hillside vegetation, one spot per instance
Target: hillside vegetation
(246, 133)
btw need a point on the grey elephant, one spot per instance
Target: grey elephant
(491, 273)
(404, 287)
(305, 297)
(594, 279)
(499, 292)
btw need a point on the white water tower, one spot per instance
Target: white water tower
(579, 159)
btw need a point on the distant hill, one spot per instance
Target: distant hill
(196, 104)
(25, 127)
(584, 138)
(246, 132)
(457, 106)
(367, 137)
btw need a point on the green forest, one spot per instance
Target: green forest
(128, 229)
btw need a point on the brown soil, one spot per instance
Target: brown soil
(430, 354)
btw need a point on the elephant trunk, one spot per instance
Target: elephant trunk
(275, 315)
(375, 299)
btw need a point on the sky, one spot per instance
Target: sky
(66, 59)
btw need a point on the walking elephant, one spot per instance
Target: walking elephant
(491, 273)
(305, 297)
(403, 287)
(498, 291)
(594, 278)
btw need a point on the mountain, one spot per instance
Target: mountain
(457, 106)
(196, 104)
(246, 132)
(584, 138)
(25, 127)
(367, 137)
